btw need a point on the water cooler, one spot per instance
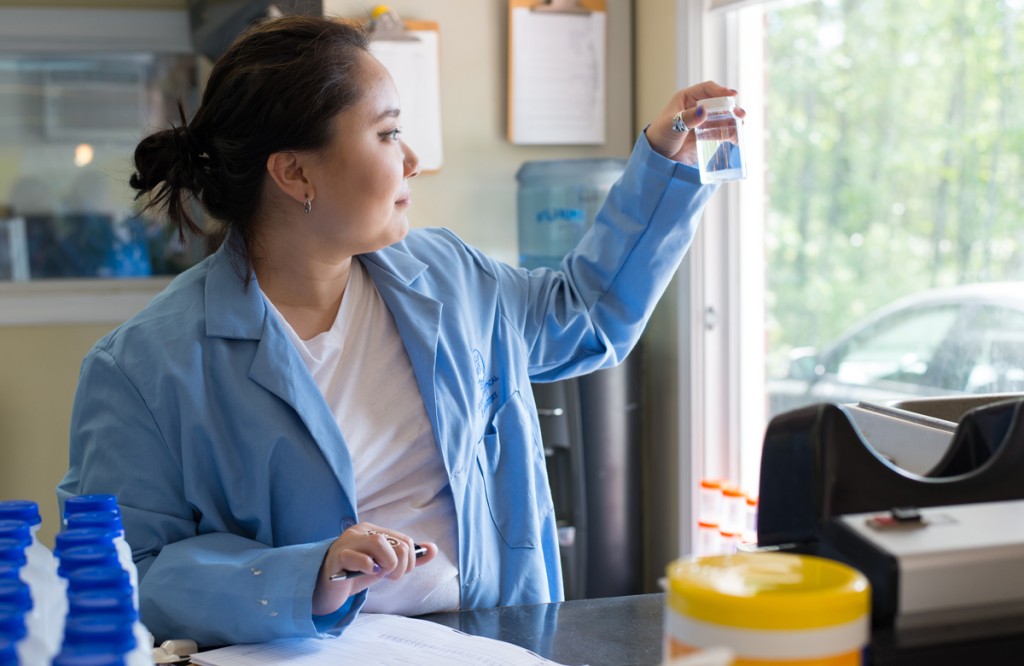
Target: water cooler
(590, 425)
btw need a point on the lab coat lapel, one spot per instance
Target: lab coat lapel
(235, 312)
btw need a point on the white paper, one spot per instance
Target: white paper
(558, 77)
(414, 65)
(381, 640)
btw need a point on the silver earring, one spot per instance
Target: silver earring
(308, 206)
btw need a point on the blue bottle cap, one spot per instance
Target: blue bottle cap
(89, 503)
(12, 551)
(12, 622)
(111, 633)
(103, 602)
(16, 593)
(94, 555)
(10, 571)
(15, 529)
(8, 655)
(99, 578)
(73, 658)
(26, 510)
(106, 519)
(81, 536)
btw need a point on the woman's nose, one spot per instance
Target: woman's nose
(411, 162)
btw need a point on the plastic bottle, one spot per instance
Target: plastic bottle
(40, 571)
(720, 142)
(111, 600)
(102, 511)
(104, 633)
(45, 612)
(557, 201)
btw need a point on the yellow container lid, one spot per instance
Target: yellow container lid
(768, 591)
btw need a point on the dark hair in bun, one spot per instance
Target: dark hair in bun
(277, 87)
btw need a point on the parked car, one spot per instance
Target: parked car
(952, 341)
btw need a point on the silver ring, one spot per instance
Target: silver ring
(677, 123)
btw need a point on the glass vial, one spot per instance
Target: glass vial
(720, 142)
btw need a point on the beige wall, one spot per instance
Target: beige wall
(38, 373)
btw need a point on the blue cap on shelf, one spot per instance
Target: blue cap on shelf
(82, 503)
(99, 578)
(12, 622)
(104, 518)
(8, 654)
(72, 658)
(12, 551)
(26, 510)
(99, 632)
(103, 602)
(15, 593)
(17, 530)
(82, 536)
(78, 557)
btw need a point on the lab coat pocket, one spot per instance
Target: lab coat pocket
(511, 462)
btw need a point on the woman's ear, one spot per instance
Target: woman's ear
(287, 170)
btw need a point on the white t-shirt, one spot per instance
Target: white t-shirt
(364, 373)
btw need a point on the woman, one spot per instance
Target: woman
(330, 387)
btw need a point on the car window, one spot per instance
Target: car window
(900, 348)
(997, 337)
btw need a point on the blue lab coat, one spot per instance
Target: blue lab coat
(233, 477)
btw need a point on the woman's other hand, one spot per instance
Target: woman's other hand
(375, 551)
(682, 146)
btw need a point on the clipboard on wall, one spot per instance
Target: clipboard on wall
(410, 50)
(557, 72)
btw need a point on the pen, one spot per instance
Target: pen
(417, 550)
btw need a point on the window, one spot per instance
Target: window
(68, 125)
(893, 155)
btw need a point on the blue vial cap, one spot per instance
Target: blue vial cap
(12, 551)
(81, 536)
(99, 578)
(12, 622)
(10, 571)
(89, 503)
(111, 633)
(103, 602)
(15, 593)
(106, 519)
(71, 657)
(94, 555)
(26, 510)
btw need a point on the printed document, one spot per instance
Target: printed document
(382, 640)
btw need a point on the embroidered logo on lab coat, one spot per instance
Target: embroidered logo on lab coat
(485, 383)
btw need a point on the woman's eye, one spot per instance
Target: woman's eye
(392, 134)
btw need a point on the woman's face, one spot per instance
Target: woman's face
(361, 177)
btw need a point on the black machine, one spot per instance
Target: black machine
(943, 549)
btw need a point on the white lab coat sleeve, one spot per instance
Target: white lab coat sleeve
(229, 588)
